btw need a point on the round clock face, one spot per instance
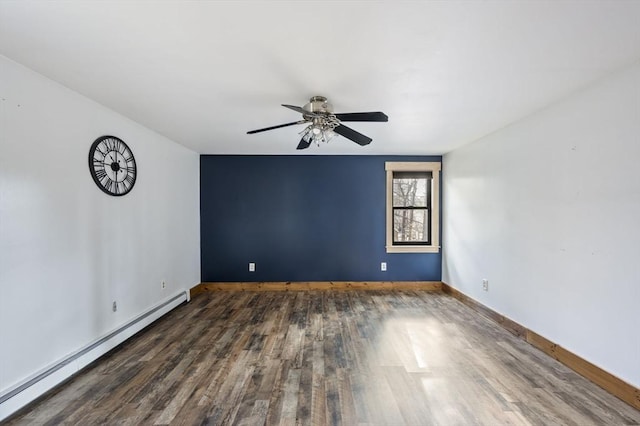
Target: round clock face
(112, 165)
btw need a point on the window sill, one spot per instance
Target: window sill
(413, 249)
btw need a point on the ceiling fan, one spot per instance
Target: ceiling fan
(323, 123)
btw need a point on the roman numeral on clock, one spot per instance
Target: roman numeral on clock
(101, 174)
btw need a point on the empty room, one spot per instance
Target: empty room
(319, 212)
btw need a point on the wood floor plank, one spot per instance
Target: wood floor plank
(370, 357)
(258, 414)
(318, 413)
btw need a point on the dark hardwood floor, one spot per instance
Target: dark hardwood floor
(327, 358)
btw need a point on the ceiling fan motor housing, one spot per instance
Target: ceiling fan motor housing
(317, 104)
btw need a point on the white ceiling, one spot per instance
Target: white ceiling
(203, 73)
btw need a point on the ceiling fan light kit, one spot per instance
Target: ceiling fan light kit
(323, 124)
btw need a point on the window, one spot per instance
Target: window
(411, 204)
(413, 207)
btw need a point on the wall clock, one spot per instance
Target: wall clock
(112, 165)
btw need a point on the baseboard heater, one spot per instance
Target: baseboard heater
(32, 388)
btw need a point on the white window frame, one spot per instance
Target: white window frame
(409, 166)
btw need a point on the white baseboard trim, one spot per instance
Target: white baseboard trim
(31, 388)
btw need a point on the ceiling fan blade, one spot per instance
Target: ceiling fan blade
(303, 144)
(300, 110)
(363, 116)
(349, 133)
(250, 132)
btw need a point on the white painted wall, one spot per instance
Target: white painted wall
(67, 250)
(548, 209)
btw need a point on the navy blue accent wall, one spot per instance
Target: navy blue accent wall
(301, 218)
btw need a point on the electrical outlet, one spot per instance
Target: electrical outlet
(252, 267)
(163, 285)
(485, 284)
(383, 266)
(114, 307)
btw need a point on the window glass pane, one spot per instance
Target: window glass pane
(410, 225)
(410, 191)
